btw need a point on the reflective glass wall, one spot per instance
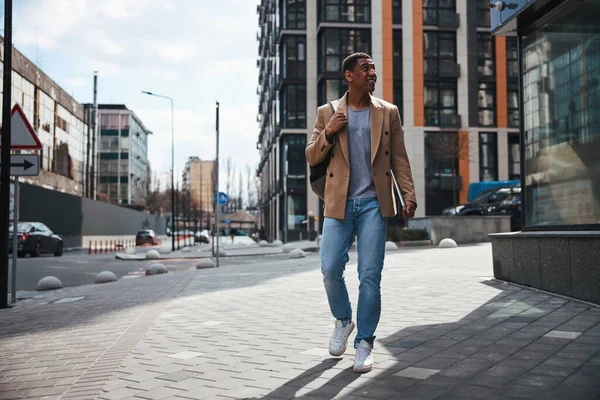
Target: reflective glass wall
(561, 109)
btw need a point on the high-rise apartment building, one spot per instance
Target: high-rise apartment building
(454, 83)
(199, 181)
(124, 168)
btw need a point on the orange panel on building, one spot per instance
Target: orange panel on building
(463, 166)
(501, 91)
(419, 90)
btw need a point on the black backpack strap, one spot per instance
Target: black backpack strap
(332, 108)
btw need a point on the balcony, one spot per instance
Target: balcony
(448, 20)
(449, 69)
(450, 121)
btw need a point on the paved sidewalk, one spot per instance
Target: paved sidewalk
(448, 330)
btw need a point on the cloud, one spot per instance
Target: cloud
(174, 52)
(78, 82)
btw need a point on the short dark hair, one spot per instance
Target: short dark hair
(351, 61)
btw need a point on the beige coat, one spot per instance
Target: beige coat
(387, 151)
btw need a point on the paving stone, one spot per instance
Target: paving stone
(563, 334)
(417, 373)
(159, 394)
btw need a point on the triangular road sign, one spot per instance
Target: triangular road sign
(22, 136)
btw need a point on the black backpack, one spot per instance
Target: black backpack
(318, 173)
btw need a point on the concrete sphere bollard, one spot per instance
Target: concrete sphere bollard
(156, 269)
(105, 277)
(288, 247)
(152, 254)
(205, 263)
(277, 243)
(130, 250)
(297, 253)
(391, 246)
(49, 283)
(164, 250)
(263, 243)
(447, 243)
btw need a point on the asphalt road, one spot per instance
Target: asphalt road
(79, 268)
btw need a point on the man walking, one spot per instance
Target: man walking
(365, 139)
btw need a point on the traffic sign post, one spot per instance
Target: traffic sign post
(222, 198)
(21, 136)
(5, 152)
(24, 164)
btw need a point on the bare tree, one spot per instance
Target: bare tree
(240, 191)
(157, 200)
(450, 148)
(230, 182)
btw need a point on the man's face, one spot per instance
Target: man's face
(363, 76)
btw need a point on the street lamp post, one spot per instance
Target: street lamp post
(172, 167)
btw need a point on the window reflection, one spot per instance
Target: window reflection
(561, 105)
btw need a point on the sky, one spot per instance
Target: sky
(195, 51)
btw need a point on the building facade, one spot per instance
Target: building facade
(558, 57)
(124, 169)
(455, 84)
(59, 122)
(199, 178)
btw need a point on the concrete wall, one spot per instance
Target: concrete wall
(72, 217)
(108, 219)
(566, 263)
(463, 229)
(61, 212)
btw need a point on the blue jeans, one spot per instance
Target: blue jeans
(363, 217)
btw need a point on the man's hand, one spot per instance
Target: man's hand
(408, 212)
(337, 122)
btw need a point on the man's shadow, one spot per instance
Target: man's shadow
(289, 390)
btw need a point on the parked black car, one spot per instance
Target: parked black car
(510, 206)
(35, 238)
(146, 236)
(497, 201)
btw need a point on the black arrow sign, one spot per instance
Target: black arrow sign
(25, 164)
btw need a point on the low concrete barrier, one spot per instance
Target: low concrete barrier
(463, 229)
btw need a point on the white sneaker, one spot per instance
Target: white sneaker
(364, 360)
(339, 339)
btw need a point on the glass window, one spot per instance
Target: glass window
(294, 106)
(397, 55)
(397, 12)
(397, 60)
(331, 89)
(440, 99)
(486, 55)
(344, 10)
(433, 9)
(561, 98)
(337, 44)
(514, 117)
(483, 13)
(294, 57)
(514, 157)
(488, 157)
(295, 14)
(486, 96)
(440, 52)
(512, 60)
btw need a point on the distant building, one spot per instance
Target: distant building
(59, 122)
(124, 169)
(199, 181)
